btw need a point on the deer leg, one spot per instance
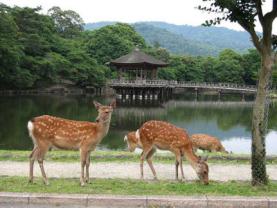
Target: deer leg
(142, 157)
(87, 167)
(83, 157)
(45, 180)
(176, 169)
(149, 161)
(179, 159)
(41, 154)
(33, 157)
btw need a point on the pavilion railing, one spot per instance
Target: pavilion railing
(181, 84)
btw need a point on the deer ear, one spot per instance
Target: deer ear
(113, 104)
(97, 105)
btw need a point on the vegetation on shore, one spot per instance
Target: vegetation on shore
(136, 187)
(124, 156)
(40, 50)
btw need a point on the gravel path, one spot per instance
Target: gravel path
(218, 172)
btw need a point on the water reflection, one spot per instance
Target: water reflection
(243, 144)
(228, 119)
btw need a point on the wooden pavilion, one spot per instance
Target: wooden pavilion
(137, 65)
(138, 77)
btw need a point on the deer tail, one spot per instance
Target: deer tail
(137, 135)
(30, 127)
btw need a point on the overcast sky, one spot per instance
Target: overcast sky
(181, 12)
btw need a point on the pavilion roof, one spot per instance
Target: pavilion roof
(137, 57)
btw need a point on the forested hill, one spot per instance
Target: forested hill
(220, 37)
(185, 39)
(173, 42)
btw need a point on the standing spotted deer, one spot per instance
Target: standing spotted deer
(207, 142)
(154, 135)
(49, 131)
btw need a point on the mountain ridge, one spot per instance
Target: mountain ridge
(187, 39)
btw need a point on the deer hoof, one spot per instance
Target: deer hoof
(46, 183)
(82, 183)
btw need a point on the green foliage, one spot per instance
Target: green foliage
(113, 41)
(68, 23)
(251, 63)
(36, 49)
(229, 66)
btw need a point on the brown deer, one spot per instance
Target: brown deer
(49, 131)
(207, 142)
(165, 136)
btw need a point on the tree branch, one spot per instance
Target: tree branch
(270, 16)
(260, 11)
(253, 34)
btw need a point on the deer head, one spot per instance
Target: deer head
(222, 149)
(131, 140)
(203, 170)
(104, 112)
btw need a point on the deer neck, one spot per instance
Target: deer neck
(193, 159)
(103, 128)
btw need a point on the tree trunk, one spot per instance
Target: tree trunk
(259, 122)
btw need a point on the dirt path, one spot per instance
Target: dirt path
(130, 170)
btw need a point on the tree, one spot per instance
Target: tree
(113, 41)
(68, 23)
(10, 50)
(245, 12)
(229, 67)
(251, 63)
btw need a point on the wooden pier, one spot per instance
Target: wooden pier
(159, 89)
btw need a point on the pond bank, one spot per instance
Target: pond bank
(125, 156)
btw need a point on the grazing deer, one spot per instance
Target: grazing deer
(207, 142)
(49, 131)
(154, 135)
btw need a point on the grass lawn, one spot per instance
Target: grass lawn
(136, 187)
(123, 156)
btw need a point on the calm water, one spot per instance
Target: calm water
(228, 119)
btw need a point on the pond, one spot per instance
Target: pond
(229, 118)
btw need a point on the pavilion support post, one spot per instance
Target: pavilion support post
(219, 95)
(243, 96)
(140, 94)
(156, 94)
(127, 93)
(196, 93)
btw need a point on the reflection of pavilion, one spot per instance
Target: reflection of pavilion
(131, 118)
(137, 77)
